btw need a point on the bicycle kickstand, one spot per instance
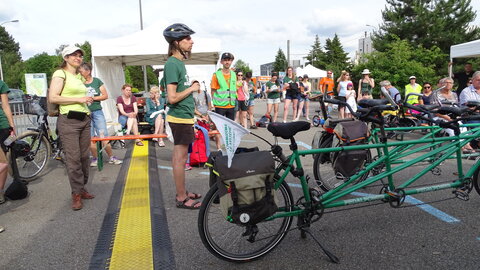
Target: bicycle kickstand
(329, 254)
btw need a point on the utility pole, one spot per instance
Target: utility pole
(145, 83)
(288, 53)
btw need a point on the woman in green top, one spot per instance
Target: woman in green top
(67, 90)
(251, 99)
(292, 94)
(365, 86)
(181, 108)
(97, 90)
(7, 128)
(155, 104)
(273, 96)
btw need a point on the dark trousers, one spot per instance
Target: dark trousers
(229, 113)
(75, 137)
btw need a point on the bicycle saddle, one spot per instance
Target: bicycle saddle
(287, 130)
(427, 108)
(452, 110)
(368, 103)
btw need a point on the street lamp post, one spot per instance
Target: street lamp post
(1, 69)
(145, 83)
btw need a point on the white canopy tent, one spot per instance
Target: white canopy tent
(146, 47)
(311, 71)
(464, 50)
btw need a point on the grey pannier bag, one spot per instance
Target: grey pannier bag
(246, 188)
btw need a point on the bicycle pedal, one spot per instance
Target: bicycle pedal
(461, 194)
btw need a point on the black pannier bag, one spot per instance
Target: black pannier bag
(246, 188)
(348, 163)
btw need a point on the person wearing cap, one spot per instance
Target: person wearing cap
(413, 87)
(67, 89)
(224, 87)
(181, 105)
(302, 96)
(365, 86)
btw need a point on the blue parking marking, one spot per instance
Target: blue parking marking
(478, 238)
(425, 207)
(300, 143)
(295, 185)
(205, 173)
(165, 167)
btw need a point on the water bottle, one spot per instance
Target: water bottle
(9, 140)
(90, 93)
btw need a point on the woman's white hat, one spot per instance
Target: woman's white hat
(365, 71)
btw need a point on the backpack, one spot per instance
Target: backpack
(53, 109)
(348, 163)
(263, 121)
(246, 189)
(199, 154)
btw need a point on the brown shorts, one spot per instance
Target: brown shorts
(182, 133)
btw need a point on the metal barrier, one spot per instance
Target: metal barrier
(23, 121)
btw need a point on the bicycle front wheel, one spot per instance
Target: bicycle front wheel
(33, 163)
(225, 240)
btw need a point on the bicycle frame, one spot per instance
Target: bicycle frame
(451, 148)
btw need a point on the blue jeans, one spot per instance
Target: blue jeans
(122, 119)
(99, 123)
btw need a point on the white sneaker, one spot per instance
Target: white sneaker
(115, 160)
(94, 162)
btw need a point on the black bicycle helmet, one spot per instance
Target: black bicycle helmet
(177, 31)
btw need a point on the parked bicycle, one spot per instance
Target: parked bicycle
(237, 242)
(43, 142)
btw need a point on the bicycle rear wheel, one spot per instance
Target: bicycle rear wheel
(324, 173)
(224, 239)
(33, 163)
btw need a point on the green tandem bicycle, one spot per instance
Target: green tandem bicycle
(242, 243)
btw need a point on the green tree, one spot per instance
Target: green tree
(335, 58)
(398, 62)
(11, 58)
(280, 63)
(87, 48)
(427, 23)
(316, 56)
(43, 63)
(241, 65)
(134, 76)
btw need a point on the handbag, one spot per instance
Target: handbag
(53, 108)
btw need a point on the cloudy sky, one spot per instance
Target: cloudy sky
(252, 30)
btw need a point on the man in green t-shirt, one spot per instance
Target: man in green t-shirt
(7, 128)
(181, 107)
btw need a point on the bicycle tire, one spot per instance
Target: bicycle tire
(28, 170)
(224, 239)
(476, 181)
(325, 175)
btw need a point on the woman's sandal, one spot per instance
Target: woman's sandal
(194, 196)
(182, 204)
(161, 143)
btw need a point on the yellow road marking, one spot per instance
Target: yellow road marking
(132, 247)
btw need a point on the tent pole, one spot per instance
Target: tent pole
(144, 68)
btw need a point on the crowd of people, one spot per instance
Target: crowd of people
(177, 103)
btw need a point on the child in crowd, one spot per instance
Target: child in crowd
(350, 96)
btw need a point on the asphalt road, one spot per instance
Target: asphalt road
(43, 233)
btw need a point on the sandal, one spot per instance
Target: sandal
(193, 195)
(182, 204)
(139, 143)
(161, 143)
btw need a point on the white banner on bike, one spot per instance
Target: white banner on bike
(231, 132)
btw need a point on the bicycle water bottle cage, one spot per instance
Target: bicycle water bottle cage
(287, 130)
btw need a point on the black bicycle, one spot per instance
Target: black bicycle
(43, 142)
